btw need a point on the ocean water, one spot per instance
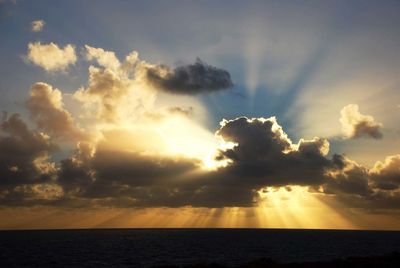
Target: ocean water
(151, 247)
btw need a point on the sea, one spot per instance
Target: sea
(156, 247)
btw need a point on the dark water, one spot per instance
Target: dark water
(148, 247)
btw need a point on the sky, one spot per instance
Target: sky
(259, 114)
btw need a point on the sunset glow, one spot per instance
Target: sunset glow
(150, 115)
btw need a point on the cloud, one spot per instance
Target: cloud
(37, 25)
(372, 189)
(386, 174)
(349, 178)
(265, 156)
(101, 172)
(104, 58)
(51, 57)
(186, 111)
(118, 88)
(47, 110)
(113, 84)
(107, 88)
(148, 153)
(23, 154)
(257, 154)
(189, 79)
(357, 125)
(262, 156)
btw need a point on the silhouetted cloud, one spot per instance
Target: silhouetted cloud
(260, 155)
(189, 79)
(263, 156)
(386, 175)
(23, 154)
(348, 178)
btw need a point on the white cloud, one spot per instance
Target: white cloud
(104, 58)
(47, 110)
(37, 25)
(356, 125)
(115, 89)
(51, 57)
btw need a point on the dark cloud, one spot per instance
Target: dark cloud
(23, 153)
(265, 156)
(261, 156)
(350, 178)
(371, 189)
(189, 79)
(367, 129)
(139, 169)
(106, 172)
(386, 175)
(75, 173)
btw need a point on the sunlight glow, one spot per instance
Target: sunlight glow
(296, 207)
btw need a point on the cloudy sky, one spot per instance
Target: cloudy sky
(200, 114)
